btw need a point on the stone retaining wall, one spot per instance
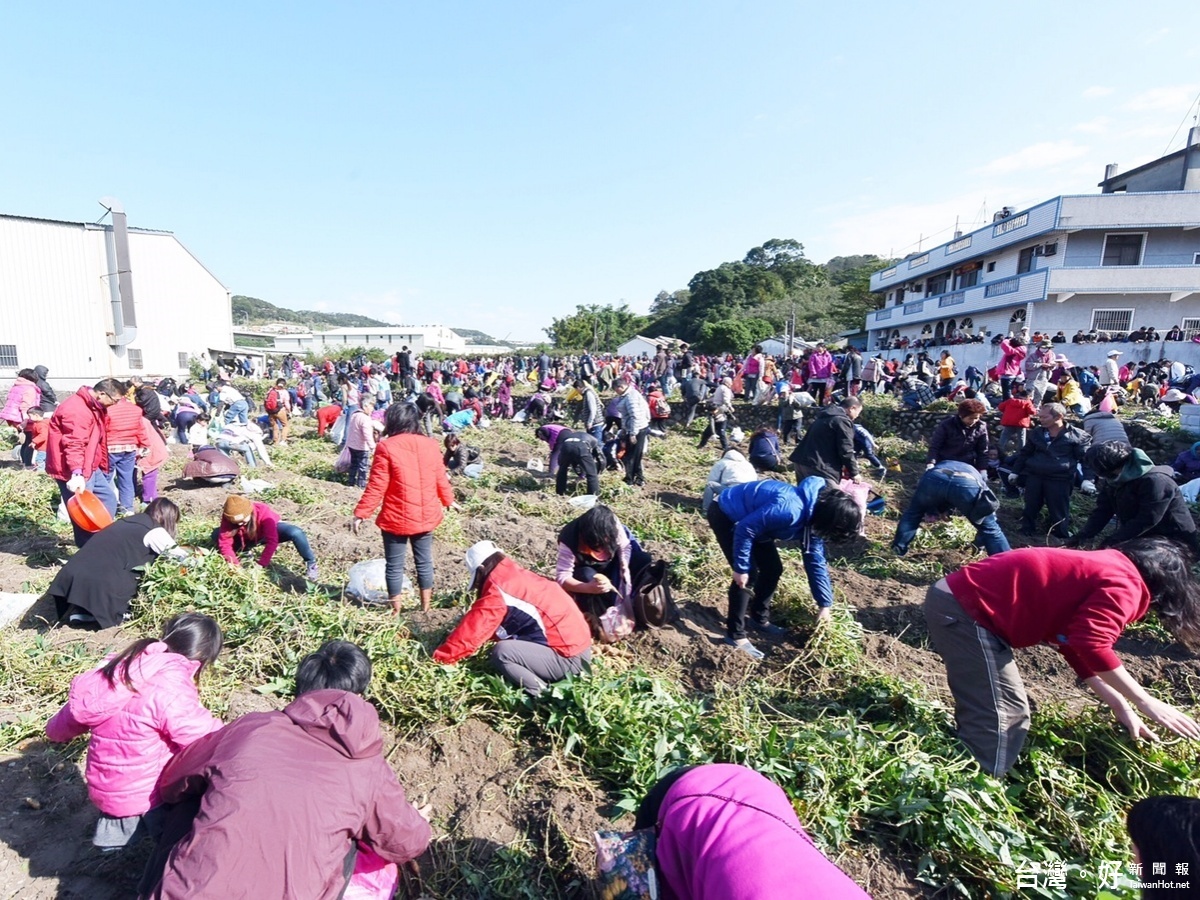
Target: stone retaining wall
(917, 425)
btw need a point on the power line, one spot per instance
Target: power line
(1181, 124)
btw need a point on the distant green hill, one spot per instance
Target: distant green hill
(252, 311)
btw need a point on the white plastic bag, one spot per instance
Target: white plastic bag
(737, 435)
(583, 501)
(367, 582)
(536, 465)
(519, 417)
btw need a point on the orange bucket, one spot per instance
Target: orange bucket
(88, 512)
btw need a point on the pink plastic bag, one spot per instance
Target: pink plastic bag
(1108, 404)
(860, 491)
(374, 877)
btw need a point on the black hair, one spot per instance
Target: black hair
(164, 513)
(110, 386)
(850, 403)
(600, 529)
(190, 634)
(1166, 829)
(28, 375)
(647, 814)
(836, 515)
(401, 418)
(542, 433)
(337, 666)
(1109, 458)
(1165, 567)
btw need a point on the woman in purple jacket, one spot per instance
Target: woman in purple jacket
(725, 832)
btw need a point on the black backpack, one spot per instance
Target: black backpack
(653, 606)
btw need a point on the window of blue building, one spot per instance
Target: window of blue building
(1122, 250)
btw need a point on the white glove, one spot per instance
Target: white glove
(157, 540)
(928, 466)
(1012, 478)
(76, 484)
(1088, 486)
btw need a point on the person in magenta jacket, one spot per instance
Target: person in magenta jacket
(551, 434)
(540, 634)
(245, 524)
(1077, 601)
(725, 832)
(142, 707)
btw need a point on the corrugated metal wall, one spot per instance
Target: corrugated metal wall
(55, 302)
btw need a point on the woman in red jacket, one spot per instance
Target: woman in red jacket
(1078, 602)
(540, 634)
(409, 486)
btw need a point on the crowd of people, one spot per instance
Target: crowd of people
(162, 766)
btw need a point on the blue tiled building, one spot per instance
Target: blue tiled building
(1111, 262)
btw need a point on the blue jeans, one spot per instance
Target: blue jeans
(245, 448)
(99, 485)
(938, 492)
(239, 412)
(395, 551)
(121, 469)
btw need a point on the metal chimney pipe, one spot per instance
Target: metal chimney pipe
(117, 247)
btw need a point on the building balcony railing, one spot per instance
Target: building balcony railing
(1030, 287)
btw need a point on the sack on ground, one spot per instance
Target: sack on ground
(625, 865)
(374, 877)
(210, 466)
(342, 464)
(366, 582)
(859, 491)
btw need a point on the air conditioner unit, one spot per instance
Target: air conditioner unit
(1050, 249)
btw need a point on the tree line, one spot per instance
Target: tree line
(737, 304)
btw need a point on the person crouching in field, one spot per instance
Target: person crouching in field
(246, 524)
(296, 802)
(540, 634)
(142, 707)
(1077, 601)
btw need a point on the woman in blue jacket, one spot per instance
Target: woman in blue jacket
(748, 519)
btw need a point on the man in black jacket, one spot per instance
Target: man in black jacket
(828, 446)
(1049, 462)
(1144, 498)
(962, 437)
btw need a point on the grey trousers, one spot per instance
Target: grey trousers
(532, 666)
(990, 706)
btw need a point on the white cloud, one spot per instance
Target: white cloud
(1035, 156)
(1096, 91)
(1173, 99)
(1098, 125)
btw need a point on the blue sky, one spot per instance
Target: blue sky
(492, 165)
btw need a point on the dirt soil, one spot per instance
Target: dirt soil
(492, 790)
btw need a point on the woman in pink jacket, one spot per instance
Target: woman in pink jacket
(142, 707)
(23, 394)
(725, 832)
